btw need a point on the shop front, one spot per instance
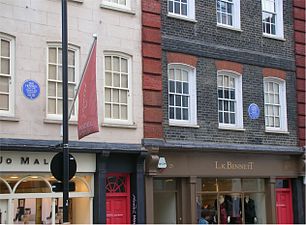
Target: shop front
(26, 195)
(222, 187)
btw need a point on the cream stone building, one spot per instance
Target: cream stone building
(110, 162)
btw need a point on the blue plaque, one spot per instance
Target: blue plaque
(30, 89)
(253, 111)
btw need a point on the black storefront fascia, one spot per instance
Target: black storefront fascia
(110, 157)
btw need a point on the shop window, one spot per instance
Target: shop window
(226, 201)
(165, 201)
(4, 187)
(33, 184)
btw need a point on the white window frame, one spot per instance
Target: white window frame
(235, 15)
(76, 50)
(283, 105)
(190, 10)
(130, 120)
(192, 120)
(238, 98)
(279, 23)
(117, 5)
(11, 111)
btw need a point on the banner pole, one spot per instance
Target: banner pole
(65, 113)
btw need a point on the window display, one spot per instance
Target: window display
(231, 201)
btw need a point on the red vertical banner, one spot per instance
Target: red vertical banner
(88, 110)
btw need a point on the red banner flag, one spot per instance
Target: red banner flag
(88, 113)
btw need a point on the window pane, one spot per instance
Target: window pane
(107, 110)
(178, 113)
(51, 106)
(178, 75)
(124, 112)
(71, 90)
(232, 106)
(52, 72)
(171, 6)
(116, 111)
(51, 89)
(124, 81)
(185, 101)
(176, 7)
(172, 89)
(115, 96)
(184, 9)
(171, 99)
(60, 56)
(5, 66)
(232, 94)
(5, 48)
(4, 84)
(124, 66)
(277, 122)
(59, 89)
(178, 100)
(71, 74)
(4, 102)
(116, 80)
(226, 118)
(59, 106)
(122, 2)
(185, 76)
(171, 74)
(116, 66)
(226, 103)
(232, 118)
(185, 114)
(171, 113)
(71, 58)
(185, 88)
(108, 65)
(226, 94)
(178, 87)
(220, 93)
(107, 94)
(123, 96)
(108, 79)
(220, 105)
(52, 55)
(60, 73)
(220, 117)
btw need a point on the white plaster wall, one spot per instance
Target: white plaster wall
(35, 22)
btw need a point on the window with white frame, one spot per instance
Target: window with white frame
(7, 45)
(272, 18)
(124, 4)
(117, 89)
(55, 79)
(275, 104)
(228, 13)
(181, 8)
(182, 95)
(230, 100)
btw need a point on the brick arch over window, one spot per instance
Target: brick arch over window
(269, 72)
(227, 65)
(173, 57)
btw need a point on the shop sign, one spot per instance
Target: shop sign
(134, 209)
(40, 162)
(162, 164)
(230, 165)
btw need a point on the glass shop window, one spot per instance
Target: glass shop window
(230, 201)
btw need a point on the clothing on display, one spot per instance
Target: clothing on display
(249, 210)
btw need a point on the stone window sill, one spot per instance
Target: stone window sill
(9, 118)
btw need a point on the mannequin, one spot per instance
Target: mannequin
(224, 217)
(249, 210)
(235, 209)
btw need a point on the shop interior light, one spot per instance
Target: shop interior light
(34, 177)
(14, 177)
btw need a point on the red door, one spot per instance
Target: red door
(118, 198)
(284, 203)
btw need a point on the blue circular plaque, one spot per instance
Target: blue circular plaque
(30, 89)
(253, 111)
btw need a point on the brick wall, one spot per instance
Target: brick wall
(207, 111)
(299, 34)
(152, 80)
